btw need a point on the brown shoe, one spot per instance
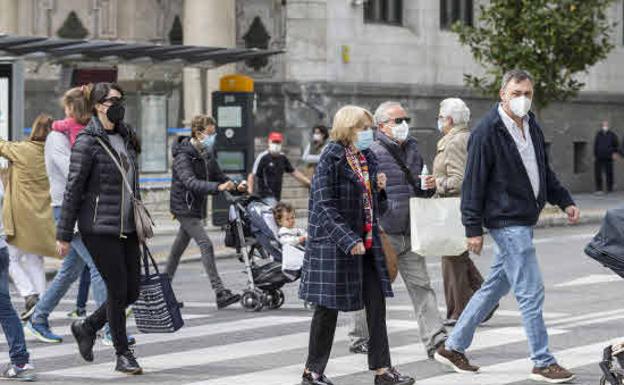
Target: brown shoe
(553, 374)
(455, 360)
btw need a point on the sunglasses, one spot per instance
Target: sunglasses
(113, 100)
(401, 120)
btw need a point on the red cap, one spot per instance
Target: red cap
(276, 137)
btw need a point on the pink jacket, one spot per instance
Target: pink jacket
(69, 127)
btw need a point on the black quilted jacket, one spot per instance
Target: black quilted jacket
(195, 175)
(95, 189)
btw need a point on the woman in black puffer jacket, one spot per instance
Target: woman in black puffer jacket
(98, 199)
(196, 174)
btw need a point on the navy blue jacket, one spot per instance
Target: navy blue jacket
(496, 191)
(330, 275)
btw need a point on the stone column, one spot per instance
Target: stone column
(8, 16)
(207, 23)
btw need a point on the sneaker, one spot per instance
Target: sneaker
(315, 379)
(43, 333)
(359, 349)
(24, 373)
(456, 360)
(85, 337)
(553, 374)
(225, 298)
(29, 306)
(393, 377)
(77, 314)
(127, 363)
(107, 339)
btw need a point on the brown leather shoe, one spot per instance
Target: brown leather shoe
(553, 374)
(456, 360)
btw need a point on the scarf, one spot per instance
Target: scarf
(359, 165)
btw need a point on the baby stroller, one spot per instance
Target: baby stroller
(607, 247)
(252, 232)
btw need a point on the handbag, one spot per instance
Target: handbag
(391, 256)
(157, 309)
(436, 227)
(142, 218)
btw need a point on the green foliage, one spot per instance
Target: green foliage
(552, 39)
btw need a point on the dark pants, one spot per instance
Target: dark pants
(606, 166)
(11, 324)
(83, 288)
(118, 261)
(461, 280)
(324, 326)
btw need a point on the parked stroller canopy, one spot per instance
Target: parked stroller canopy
(607, 247)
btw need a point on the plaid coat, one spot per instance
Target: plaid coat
(331, 276)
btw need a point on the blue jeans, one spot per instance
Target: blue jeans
(11, 324)
(514, 267)
(71, 269)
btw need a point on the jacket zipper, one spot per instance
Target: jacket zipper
(97, 205)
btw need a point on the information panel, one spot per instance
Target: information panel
(153, 130)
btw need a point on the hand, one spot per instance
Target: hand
(574, 214)
(358, 249)
(62, 248)
(242, 187)
(229, 186)
(303, 239)
(430, 182)
(382, 180)
(475, 244)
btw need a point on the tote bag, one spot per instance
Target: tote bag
(436, 227)
(156, 310)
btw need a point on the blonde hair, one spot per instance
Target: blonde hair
(346, 120)
(78, 100)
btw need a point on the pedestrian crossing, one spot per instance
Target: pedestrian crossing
(270, 348)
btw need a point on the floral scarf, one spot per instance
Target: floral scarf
(358, 163)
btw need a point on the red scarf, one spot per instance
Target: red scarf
(359, 165)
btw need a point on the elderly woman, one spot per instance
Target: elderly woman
(344, 267)
(461, 277)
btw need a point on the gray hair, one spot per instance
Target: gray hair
(456, 109)
(517, 75)
(381, 115)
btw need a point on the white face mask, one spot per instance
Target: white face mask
(520, 106)
(605, 128)
(400, 131)
(317, 137)
(275, 148)
(441, 125)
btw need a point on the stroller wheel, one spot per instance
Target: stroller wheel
(251, 301)
(277, 299)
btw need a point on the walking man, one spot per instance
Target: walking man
(508, 180)
(606, 149)
(399, 158)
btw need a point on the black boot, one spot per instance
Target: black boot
(225, 298)
(126, 363)
(85, 337)
(393, 377)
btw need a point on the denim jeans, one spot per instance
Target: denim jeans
(11, 324)
(514, 267)
(71, 269)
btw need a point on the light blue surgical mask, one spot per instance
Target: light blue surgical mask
(209, 140)
(364, 139)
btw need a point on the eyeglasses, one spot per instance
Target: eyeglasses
(401, 120)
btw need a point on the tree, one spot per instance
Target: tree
(555, 40)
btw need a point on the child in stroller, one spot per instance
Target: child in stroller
(252, 230)
(293, 239)
(607, 247)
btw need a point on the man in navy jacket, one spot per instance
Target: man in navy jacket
(508, 181)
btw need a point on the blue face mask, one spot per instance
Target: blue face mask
(209, 140)
(364, 139)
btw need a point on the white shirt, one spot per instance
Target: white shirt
(525, 147)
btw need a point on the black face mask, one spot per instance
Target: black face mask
(115, 113)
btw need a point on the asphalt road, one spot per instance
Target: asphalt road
(583, 310)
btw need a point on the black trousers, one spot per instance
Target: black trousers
(324, 326)
(606, 166)
(118, 261)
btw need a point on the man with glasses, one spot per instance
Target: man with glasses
(399, 158)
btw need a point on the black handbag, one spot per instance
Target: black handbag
(157, 309)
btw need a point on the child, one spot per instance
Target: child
(77, 112)
(288, 234)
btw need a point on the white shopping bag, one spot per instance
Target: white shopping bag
(436, 227)
(292, 258)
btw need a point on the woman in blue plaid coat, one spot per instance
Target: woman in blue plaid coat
(344, 267)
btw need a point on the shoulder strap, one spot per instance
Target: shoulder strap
(408, 174)
(121, 170)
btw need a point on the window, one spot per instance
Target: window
(383, 11)
(580, 155)
(452, 11)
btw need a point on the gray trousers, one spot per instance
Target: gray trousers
(413, 269)
(193, 228)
